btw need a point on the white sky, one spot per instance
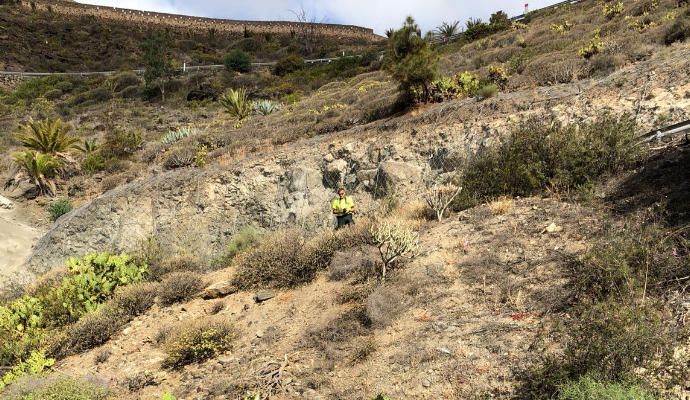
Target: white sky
(377, 14)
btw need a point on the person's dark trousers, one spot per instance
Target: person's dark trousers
(344, 220)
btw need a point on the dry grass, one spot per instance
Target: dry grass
(179, 287)
(501, 206)
(291, 257)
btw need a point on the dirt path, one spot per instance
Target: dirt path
(17, 237)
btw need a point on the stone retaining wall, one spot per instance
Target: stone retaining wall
(340, 32)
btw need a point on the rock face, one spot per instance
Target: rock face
(190, 211)
(395, 176)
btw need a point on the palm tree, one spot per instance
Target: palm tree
(50, 136)
(40, 168)
(447, 30)
(236, 103)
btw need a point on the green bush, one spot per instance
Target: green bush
(122, 143)
(92, 163)
(608, 340)
(31, 89)
(237, 61)
(644, 260)
(542, 154)
(244, 240)
(588, 388)
(34, 365)
(59, 208)
(199, 342)
(56, 388)
(94, 280)
(487, 91)
(289, 64)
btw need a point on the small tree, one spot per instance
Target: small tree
(412, 62)
(393, 241)
(159, 67)
(439, 197)
(237, 61)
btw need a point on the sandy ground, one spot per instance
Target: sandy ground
(17, 237)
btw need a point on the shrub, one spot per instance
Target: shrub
(56, 388)
(468, 83)
(289, 258)
(236, 103)
(179, 134)
(201, 341)
(93, 163)
(96, 95)
(678, 32)
(609, 340)
(59, 208)
(587, 388)
(244, 240)
(289, 64)
(50, 136)
(394, 240)
(90, 331)
(384, 305)
(125, 80)
(643, 261)
(237, 61)
(487, 91)
(122, 143)
(439, 198)
(412, 61)
(134, 300)
(611, 11)
(180, 158)
(31, 89)
(498, 76)
(92, 281)
(266, 107)
(179, 287)
(39, 168)
(34, 365)
(544, 153)
(594, 46)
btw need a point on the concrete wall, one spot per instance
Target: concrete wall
(341, 32)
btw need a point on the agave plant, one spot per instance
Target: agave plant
(265, 107)
(50, 136)
(447, 30)
(236, 103)
(88, 147)
(39, 168)
(179, 134)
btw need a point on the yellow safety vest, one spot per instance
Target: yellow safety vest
(345, 204)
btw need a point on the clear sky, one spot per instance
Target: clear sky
(377, 14)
